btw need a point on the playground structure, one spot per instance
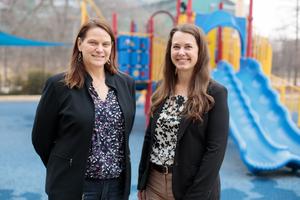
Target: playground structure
(260, 124)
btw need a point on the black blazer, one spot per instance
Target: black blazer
(63, 129)
(199, 152)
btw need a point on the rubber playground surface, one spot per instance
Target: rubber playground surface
(22, 174)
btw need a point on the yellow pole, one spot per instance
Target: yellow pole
(84, 14)
(298, 113)
(96, 9)
(211, 39)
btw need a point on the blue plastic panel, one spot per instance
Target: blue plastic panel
(144, 58)
(123, 58)
(144, 43)
(134, 43)
(134, 58)
(134, 72)
(144, 73)
(123, 42)
(224, 19)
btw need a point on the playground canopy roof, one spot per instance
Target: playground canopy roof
(224, 19)
(11, 40)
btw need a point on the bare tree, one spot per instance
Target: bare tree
(58, 21)
(27, 16)
(296, 45)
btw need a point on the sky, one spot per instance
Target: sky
(275, 18)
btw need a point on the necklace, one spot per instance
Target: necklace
(101, 90)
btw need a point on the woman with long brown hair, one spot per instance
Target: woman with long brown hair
(83, 120)
(185, 140)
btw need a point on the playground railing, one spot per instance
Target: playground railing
(158, 53)
(289, 96)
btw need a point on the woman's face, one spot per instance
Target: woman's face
(95, 47)
(184, 51)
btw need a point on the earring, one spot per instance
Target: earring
(108, 61)
(79, 58)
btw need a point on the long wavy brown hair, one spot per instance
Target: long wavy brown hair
(199, 101)
(74, 77)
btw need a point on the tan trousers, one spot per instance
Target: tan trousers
(159, 186)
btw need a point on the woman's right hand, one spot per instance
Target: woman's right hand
(141, 195)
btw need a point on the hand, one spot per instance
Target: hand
(141, 195)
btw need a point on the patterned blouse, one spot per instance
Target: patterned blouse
(106, 158)
(167, 126)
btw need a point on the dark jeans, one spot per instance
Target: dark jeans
(111, 189)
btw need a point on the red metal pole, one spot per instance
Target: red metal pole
(220, 44)
(178, 10)
(150, 31)
(115, 23)
(149, 86)
(132, 26)
(189, 11)
(249, 38)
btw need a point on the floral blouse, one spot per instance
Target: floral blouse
(167, 126)
(106, 158)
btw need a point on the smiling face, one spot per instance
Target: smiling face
(96, 47)
(184, 51)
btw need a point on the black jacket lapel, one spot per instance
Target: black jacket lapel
(156, 116)
(184, 123)
(111, 82)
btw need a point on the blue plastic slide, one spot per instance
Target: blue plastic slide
(273, 116)
(258, 151)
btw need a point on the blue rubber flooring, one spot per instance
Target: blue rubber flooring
(22, 175)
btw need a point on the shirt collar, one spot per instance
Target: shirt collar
(109, 79)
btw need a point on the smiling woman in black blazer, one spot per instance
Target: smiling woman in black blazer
(83, 120)
(185, 140)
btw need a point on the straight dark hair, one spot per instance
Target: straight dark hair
(199, 101)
